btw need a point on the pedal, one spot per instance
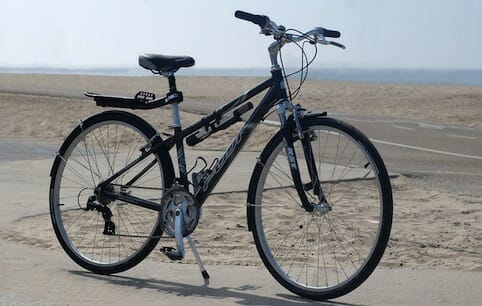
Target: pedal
(171, 253)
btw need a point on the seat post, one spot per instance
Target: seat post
(174, 97)
(172, 82)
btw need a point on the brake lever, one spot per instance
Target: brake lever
(337, 44)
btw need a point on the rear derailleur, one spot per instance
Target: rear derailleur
(109, 225)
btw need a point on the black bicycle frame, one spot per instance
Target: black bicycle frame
(276, 93)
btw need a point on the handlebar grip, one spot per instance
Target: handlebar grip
(331, 33)
(260, 20)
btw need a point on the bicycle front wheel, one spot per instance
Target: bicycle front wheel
(322, 254)
(100, 146)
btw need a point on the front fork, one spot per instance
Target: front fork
(287, 129)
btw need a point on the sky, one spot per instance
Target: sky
(428, 34)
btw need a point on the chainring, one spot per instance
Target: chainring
(178, 198)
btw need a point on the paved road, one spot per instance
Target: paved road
(441, 157)
(54, 279)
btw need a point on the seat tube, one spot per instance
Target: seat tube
(176, 98)
(181, 158)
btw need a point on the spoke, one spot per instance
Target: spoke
(141, 220)
(321, 158)
(68, 166)
(75, 221)
(103, 150)
(353, 179)
(76, 187)
(276, 249)
(84, 228)
(334, 258)
(121, 218)
(339, 238)
(88, 157)
(354, 189)
(271, 205)
(295, 201)
(85, 159)
(318, 225)
(93, 240)
(77, 183)
(337, 159)
(342, 238)
(130, 153)
(287, 176)
(299, 247)
(121, 241)
(71, 158)
(116, 145)
(95, 152)
(68, 197)
(132, 225)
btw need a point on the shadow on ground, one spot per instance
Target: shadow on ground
(241, 294)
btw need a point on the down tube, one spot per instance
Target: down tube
(235, 146)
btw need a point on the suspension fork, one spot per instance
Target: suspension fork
(287, 129)
(313, 171)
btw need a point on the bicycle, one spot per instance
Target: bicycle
(319, 201)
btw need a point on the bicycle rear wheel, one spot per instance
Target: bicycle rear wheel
(97, 148)
(322, 255)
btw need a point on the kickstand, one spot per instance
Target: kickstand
(199, 261)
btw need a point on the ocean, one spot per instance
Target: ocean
(399, 76)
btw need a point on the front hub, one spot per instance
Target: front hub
(322, 208)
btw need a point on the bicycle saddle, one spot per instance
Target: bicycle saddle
(164, 63)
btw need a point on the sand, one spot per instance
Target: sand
(431, 229)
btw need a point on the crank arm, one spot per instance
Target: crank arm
(177, 253)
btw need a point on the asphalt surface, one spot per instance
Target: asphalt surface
(54, 279)
(439, 157)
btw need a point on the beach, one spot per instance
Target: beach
(432, 229)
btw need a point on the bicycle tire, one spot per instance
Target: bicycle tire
(97, 147)
(289, 225)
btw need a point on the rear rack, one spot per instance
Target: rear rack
(142, 100)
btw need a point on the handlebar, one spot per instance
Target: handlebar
(268, 27)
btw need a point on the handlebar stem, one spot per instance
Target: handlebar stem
(273, 50)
